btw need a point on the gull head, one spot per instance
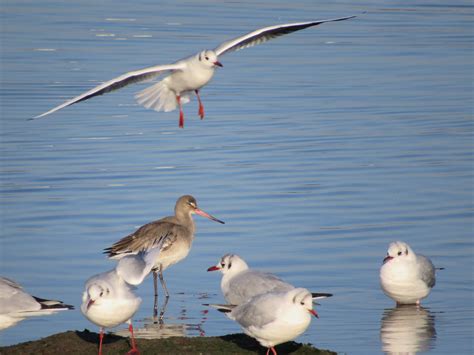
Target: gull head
(95, 294)
(302, 298)
(230, 264)
(400, 251)
(209, 59)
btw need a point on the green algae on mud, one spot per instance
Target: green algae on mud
(86, 342)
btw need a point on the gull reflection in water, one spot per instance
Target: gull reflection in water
(407, 329)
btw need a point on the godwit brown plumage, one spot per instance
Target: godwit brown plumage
(179, 230)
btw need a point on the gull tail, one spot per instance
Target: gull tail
(318, 296)
(224, 308)
(159, 97)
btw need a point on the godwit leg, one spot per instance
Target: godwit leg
(162, 280)
(163, 310)
(134, 350)
(167, 295)
(181, 114)
(201, 107)
(101, 337)
(155, 285)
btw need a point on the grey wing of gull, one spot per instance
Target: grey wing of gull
(118, 83)
(14, 299)
(135, 267)
(265, 34)
(258, 311)
(427, 270)
(253, 283)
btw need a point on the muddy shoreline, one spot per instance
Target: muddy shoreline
(86, 342)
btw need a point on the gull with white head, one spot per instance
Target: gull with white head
(189, 75)
(273, 318)
(406, 277)
(240, 283)
(109, 299)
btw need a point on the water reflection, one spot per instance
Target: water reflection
(155, 330)
(407, 329)
(186, 322)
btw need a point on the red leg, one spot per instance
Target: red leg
(201, 107)
(101, 337)
(134, 350)
(274, 351)
(268, 351)
(181, 114)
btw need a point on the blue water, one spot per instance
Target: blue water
(318, 149)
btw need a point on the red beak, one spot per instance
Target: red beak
(219, 64)
(387, 258)
(207, 215)
(313, 312)
(90, 303)
(213, 268)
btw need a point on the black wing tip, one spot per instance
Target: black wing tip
(52, 304)
(319, 294)
(216, 306)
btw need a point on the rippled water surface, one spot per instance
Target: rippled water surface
(318, 149)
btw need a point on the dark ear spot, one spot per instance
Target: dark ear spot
(230, 265)
(406, 251)
(199, 57)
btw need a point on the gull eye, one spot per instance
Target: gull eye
(399, 253)
(101, 293)
(222, 264)
(302, 303)
(207, 58)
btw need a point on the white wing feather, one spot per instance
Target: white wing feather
(119, 82)
(264, 34)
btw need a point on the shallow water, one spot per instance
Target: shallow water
(318, 149)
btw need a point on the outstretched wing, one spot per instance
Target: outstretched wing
(118, 83)
(265, 34)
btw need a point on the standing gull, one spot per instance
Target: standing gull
(16, 304)
(273, 318)
(406, 277)
(187, 75)
(240, 283)
(179, 230)
(109, 300)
